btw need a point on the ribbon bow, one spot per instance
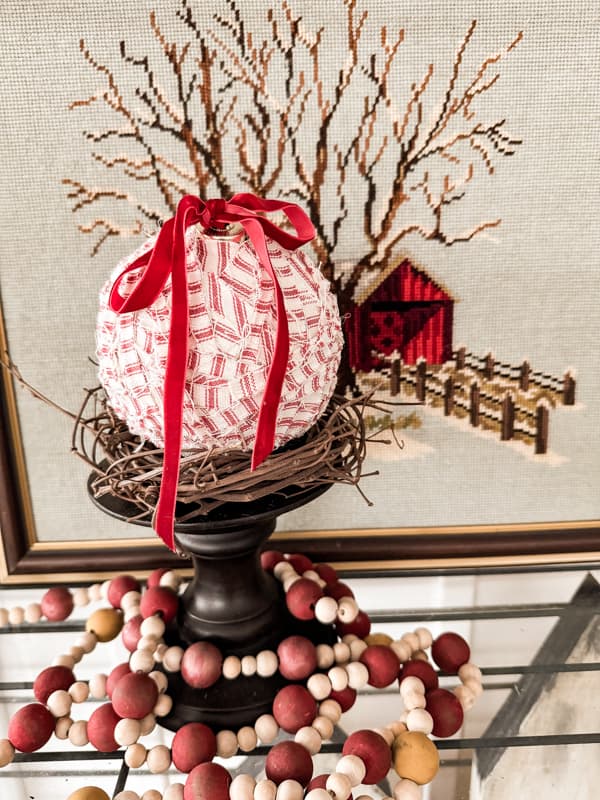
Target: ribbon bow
(168, 258)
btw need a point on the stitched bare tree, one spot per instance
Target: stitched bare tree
(227, 109)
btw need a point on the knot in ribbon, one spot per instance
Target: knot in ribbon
(167, 257)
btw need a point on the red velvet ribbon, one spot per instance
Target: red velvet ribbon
(168, 258)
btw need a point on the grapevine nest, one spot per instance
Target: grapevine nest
(130, 469)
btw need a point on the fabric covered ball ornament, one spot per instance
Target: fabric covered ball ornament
(213, 336)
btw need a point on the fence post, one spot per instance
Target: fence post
(395, 377)
(461, 359)
(488, 369)
(474, 405)
(524, 376)
(448, 396)
(507, 429)
(421, 376)
(541, 429)
(568, 390)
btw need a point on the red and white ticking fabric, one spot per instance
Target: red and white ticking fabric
(232, 324)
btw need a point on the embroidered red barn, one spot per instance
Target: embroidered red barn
(405, 311)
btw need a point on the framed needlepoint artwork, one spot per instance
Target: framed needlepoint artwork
(434, 169)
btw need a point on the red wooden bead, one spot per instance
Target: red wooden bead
(269, 558)
(131, 634)
(193, 744)
(134, 696)
(115, 676)
(119, 586)
(338, 590)
(207, 782)
(383, 665)
(155, 576)
(299, 562)
(294, 707)
(421, 670)
(318, 782)
(374, 752)
(360, 627)
(101, 728)
(450, 651)
(51, 679)
(57, 604)
(346, 698)
(159, 599)
(301, 598)
(297, 658)
(446, 712)
(201, 665)
(289, 760)
(30, 727)
(326, 573)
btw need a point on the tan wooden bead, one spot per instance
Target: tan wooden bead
(151, 794)
(420, 655)
(59, 703)
(76, 652)
(331, 709)
(339, 786)
(227, 744)
(248, 666)
(87, 641)
(413, 700)
(341, 653)
(63, 660)
(402, 649)
(81, 596)
(126, 794)
(265, 790)
(387, 734)
(465, 697)
(379, 638)
(147, 724)
(33, 613)
(290, 790)
(232, 668)
(158, 759)
(79, 691)
(309, 738)
(98, 686)
(247, 738)
(3, 617)
(338, 678)
(267, 663)
(358, 675)
(16, 615)
(105, 623)
(469, 671)
(127, 731)
(266, 728)
(159, 652)
(357, 648)
(407, 790)
(163, 705)
(160, 679)
(325, 656)
(141, 661)
(78, 733)
(319, 686)
(62, 726)
(95, 592)
(352, 766)
(242, 787)
(148, 643)
(347, 609)
(425, 637)
(172, 658)
(7, 752)
(324, 727)
(135, 756)
(412, 640)
(397, 727)
(474, 686)
(411, 684)
(289, 581)
(319, 794)
(419, 719)
(153, 626)
(174, 792)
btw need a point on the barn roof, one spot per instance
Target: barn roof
(365, 292)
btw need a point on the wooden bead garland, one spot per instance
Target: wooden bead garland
(347, 664)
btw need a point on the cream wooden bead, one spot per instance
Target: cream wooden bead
(104, 589)
(290, 790)
(331, 709)
(338, 677)
(402, 719)
(151, 794)
(397, 727)
(127, 731)
(171, 580)
(141, 661)
(172, 658)
(474, 686)
(347, 609)
(95, 592)
(248, 666)
(469, 671)
(402, 649)
(174, 792)
(325, 656)
(267, 663)
(412, 640)
(81, 596)
(159, 652)
(163, 705)
(147, 724)
(387, 734)
(354, 767)
(324, 727)
(407, 790)
(341, 653)
(265, 790)
(33, 613)
(311, 575)
(319, 686)
(418, 719)
(247, 738)
(289, 582)
(357, 648)
(3, 617)
(79, 691)
(127, 794)
(63, 660)
(98, 686)
(147, 643)
(16, 615)
(232, 667)
(326, 609)
(78, 733)
(160, 679)
(420, 655)
(130, 613)
(358, 675)
(87, 641)
(242, 787)
(153, 626)
(413, 700)
(266, 728)
(411, 684)
(465, 697)
(282, 569)
(227, 744)
(309, 738)
(59, 703)
(338, 786)
(7, 752)
(131, 599)
(158, 759)
(425, 637)
(76, 653)
(61, 729)
(135, 756)
(318, 794)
